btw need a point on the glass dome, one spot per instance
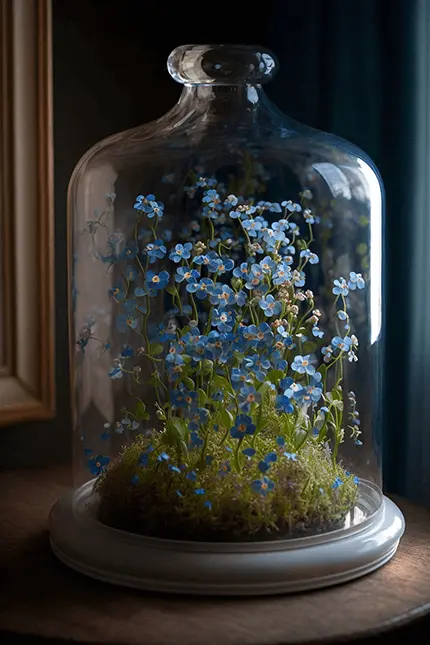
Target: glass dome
(226, 317)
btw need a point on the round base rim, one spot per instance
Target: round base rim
(99, 551)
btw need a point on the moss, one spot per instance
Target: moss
(156, 501)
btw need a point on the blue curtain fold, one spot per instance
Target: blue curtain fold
(362, 71)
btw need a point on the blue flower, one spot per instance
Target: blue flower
(157, 281)
(356, 480)
(258, 336)
(243, 426)
(241, 271)
(194, 440)
(308, 215)
(221, 265)
(117, 293)
(224, 469)
(135, 480)
(125, 321)
(356, 281)
(337, 482)
(182, 398)
(208, 504)
(221, 295)
(183, 273)
(314, 391)
(199, 491)
(340, 287)
(139, 292)
(198, 417)
(154, 209)
(282, 274)
(201, 289)
(268, 266)
(312, 258)
(302, 365)
(316, 331)
(290, 206)
(263, 486)
(247, 396)
(240, 298)
(174, 469)
(174, 354)
(263, 466)
(270, 306)
(97, 464)
(231, 201)
(142, 202)
(223, 320)
(155, 250)
(342, 315)
(249, 452)
(163, 456)
(344, 344)
(129, 252)
(181, 252)
(280, 441)
(212, 198)
(239, 376)
(271, 457)
(284, 404)
(291, 456)
(299, 278)
(115, 372)
(252, 226)
(192, 475)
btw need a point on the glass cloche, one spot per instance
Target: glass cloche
(226, 335)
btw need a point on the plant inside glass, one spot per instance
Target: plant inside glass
(249, 403)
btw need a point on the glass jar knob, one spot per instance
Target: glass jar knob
(221, 65)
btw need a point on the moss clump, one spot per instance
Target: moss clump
(219, 499)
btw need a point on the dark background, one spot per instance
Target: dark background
(345, 67)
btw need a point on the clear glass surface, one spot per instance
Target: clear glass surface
(228, 388)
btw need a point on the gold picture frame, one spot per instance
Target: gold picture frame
(27, 379)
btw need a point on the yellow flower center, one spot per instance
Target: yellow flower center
(155, 279)
(241, 427)
(305, 363)
(263, 486)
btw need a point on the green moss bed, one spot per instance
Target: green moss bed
(212, 498)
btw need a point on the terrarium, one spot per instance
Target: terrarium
(226, 347)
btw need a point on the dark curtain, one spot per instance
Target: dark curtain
(361, 70)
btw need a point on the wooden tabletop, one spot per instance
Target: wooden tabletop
(41, 597)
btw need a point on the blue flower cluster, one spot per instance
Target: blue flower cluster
(252, 335)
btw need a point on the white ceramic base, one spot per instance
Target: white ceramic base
(82, 542)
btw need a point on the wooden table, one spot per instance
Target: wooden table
(41, 599)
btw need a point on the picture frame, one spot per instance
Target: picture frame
(27, 371)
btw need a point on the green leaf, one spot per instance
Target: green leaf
(155, 349)
(141, 412)
(171, 289)
(221, 383)
(179, 426)
(225, 418)
(275, 375)
(188, 382)
(206, 366)
(202, 397)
